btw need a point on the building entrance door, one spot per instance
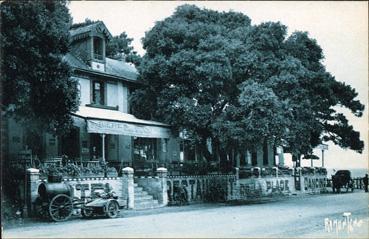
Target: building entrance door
(96, 147)
(145, 155)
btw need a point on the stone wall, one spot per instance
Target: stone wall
(201, 188)
(167, 189)
(314, 183)
(85, 187)
(255, 187)
(274, 185)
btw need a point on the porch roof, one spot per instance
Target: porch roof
(107, 121)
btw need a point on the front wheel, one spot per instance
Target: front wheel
(112, 209)
(87, 212)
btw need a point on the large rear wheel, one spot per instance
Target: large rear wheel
(60, 208)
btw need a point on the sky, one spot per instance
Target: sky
(340, 28)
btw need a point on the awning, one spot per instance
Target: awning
(104, 121)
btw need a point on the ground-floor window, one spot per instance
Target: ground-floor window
(144, 149)
(96, 146)
(145, 156)
(187, 151)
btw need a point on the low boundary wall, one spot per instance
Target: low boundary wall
(165, 189)
(84, 187)
(201, 188)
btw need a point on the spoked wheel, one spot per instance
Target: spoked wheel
(60, 208)
(112, 209)
(87, 212)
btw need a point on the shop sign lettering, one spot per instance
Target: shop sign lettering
(131, 129)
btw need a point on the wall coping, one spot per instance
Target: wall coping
(85, 179)
(33, 170)
(146, 177)
(201, 176)
(161, 170)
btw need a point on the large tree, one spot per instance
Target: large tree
(37, 87)
(218, 77)
(121, 47)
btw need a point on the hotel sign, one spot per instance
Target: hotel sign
(130, 129)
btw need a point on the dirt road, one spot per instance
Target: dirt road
(294, 217)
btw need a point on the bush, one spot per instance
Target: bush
(217, 191)
(71, 170)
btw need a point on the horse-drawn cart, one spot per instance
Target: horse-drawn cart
(342, 179)
(56, 201)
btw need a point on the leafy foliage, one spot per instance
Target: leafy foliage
(36, 82)
(120, 46)
(215, 76)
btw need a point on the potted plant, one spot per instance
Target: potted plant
(54, 174)
(111, 172)
(72, 171)
(97, 171)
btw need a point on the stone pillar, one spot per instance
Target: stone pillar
(128, 187)
(236, 186)
(237, 173)
(275, 171)
(163, 195)
(302, 179)
(33, 178)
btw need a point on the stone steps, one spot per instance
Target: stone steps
(143, 200)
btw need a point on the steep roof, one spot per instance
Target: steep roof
(83, 31)
(113, 67)
(118, 68)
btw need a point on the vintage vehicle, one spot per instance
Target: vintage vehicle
(342, 179)
(56, 202)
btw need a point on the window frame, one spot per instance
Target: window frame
(102, 91)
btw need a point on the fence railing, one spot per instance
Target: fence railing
(357, 183)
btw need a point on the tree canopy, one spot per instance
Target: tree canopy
(37, 87)
(120, 46)
(216, 76)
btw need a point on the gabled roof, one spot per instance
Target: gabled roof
(114, 68)
(86, 30)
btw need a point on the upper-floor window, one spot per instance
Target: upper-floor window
(98, 93)
(98, 48)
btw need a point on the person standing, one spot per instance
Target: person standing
(365, 181)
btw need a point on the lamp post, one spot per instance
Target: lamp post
(323, 147)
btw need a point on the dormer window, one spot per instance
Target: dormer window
(98, 48)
